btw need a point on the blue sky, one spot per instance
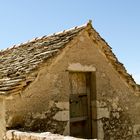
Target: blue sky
(117, 21)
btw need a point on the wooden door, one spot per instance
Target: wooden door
(80, 112)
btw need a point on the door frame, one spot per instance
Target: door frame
(77, 67)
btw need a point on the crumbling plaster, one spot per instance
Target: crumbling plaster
(116, 103)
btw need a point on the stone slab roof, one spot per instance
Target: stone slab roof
(18, 62)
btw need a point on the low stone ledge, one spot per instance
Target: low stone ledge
(18, 135)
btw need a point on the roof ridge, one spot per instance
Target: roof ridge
(119, 67)
(46, 36)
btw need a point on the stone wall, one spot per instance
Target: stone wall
(2, 118)
(117, 105)
(57, 115)
(18, 135)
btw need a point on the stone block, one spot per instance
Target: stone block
(17, 135)
(63, 105)
(62, 116)
(102, 113)
(67, 129)
(100, 130)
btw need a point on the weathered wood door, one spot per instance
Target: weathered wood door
(80, 109)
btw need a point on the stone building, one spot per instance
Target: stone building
(68, 83)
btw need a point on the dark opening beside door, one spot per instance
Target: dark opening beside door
(80, 105)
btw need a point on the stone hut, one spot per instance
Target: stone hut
(69, 83)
